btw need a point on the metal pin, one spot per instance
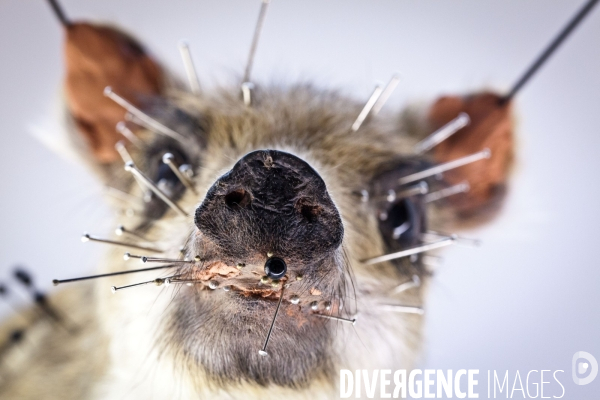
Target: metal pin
(120, 231)
(87, 238)
(333, 317)
(166, 260)
(413, 283)
(458, 239)
(169, 159)
(438, 169)
(367, 108)
(130, 166)
(60, 14)
(187, 170)
(128, 134)
(403, 309)
(385, 95)
(420, 188)
(157, 282)
(443, 133)
(263, 352)
(188, 64)
(257, 30)
(247, 92)
(408, 252)
(57, 282)
(122, 150)
(462, 187)
(147, 120)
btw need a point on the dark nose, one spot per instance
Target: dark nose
(271, 201)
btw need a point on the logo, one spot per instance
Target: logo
(582, 363)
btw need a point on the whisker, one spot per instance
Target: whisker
(335, 318)
(120, 231)
(458, 239)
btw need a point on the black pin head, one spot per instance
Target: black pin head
(275, 268)
(17, 335)
(3, 290)
(23, 276)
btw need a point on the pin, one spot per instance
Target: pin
(333, 317)
(257, 30)
(188, 64)
(263, 352)
(403, 309)
(443, 133)
(420, 188)
(462, 187)
(247, 92)
(157, 282)
(585, 10)
(128, 134)
(130, 166)
(60, 14)
(120, 231)
(408, 252)
(458, 239)
(367, 108)
(169, 159)
(187, 170)
(385, 95)
(438, 169)
(57, 282)
(88, 238)
(163, 260)
(147, 120)
(413, 283)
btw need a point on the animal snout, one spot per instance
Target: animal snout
(271, 201)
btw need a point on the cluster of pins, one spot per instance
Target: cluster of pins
(275, 268)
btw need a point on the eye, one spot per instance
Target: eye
(402, 223)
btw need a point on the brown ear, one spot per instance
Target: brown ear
(491, 127)
(96, 57)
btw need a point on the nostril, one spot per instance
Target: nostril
(275, 268)
(308, 210)
(237, 198)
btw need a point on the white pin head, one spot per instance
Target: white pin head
(85, 237)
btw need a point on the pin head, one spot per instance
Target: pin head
(23, 276)
(275, 268)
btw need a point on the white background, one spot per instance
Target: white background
(528, 299)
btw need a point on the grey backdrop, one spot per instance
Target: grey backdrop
(525, 300)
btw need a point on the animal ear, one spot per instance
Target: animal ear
(491, 127)
(99, 56)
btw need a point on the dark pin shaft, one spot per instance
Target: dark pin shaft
(585, 10)
(264, 349)
(60, 14)
(84, 278)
